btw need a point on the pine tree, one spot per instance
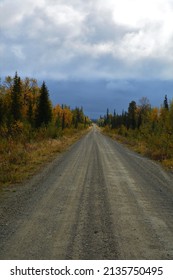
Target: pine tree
(44, 109)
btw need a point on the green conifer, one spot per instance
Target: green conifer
(44, 108)
(16, 105)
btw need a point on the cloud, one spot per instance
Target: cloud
(97, 96)
(87, 39)
(121, 85)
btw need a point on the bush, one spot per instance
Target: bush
(123, 131)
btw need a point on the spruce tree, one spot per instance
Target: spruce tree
(16, 105)
(44, 108)
(132, 115)
(166, 106)
(113, 121)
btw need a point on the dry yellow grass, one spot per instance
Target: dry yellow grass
(19, 161)
(141, 147)
(168, 163)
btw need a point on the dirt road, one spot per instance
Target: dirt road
(98, 200)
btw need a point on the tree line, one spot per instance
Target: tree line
(142, 123)
(24, 105)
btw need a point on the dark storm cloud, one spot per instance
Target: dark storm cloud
(94, 53)
(51, 37)
(96, 96)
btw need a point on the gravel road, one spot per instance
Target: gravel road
(98, 200)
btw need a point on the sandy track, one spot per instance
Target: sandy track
(98, 200)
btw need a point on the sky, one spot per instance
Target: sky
(93, 53)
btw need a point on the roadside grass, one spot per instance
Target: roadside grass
(19, 160)
(153, 149)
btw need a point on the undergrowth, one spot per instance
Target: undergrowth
(157, 148)
(20, 157)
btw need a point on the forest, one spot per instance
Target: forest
(31, 128)
(149, 130)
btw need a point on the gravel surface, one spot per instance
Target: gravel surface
(98, 200)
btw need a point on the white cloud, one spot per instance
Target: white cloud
(18, 52)
(94, 38)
